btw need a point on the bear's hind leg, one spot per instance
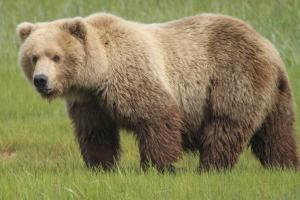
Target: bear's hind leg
(96, 133)
(274, 143)
(222, 141)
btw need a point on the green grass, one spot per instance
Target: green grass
(39, 158)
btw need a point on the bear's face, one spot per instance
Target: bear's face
(52, 55)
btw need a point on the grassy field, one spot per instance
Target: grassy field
(39, 158)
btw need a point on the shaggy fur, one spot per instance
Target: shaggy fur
(97, 134)
(207, 83)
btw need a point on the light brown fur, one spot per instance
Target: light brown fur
(208, 82)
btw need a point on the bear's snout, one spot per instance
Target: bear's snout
(40, 82)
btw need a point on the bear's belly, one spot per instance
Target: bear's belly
(191, 94)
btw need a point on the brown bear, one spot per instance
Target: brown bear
(207, 83)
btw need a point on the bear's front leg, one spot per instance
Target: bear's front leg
(160, 139)
(97, 134)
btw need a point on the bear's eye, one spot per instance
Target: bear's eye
(56, 58)
(34, 59)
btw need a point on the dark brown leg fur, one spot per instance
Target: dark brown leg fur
(160, 140)
(222, 141)
(274, 143)
(96, 133)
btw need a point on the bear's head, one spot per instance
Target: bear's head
(59, 56)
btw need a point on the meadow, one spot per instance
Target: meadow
(39, 157)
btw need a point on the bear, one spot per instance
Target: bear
(208, 84)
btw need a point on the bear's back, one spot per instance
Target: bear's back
(220, 53)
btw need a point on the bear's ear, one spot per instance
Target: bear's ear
(24, 29)
(77, 28)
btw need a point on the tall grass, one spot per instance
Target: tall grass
(39, 158)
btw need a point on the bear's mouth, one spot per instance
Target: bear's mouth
(44, 91)
(48, 94)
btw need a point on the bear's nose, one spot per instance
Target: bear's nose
(40, 81)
